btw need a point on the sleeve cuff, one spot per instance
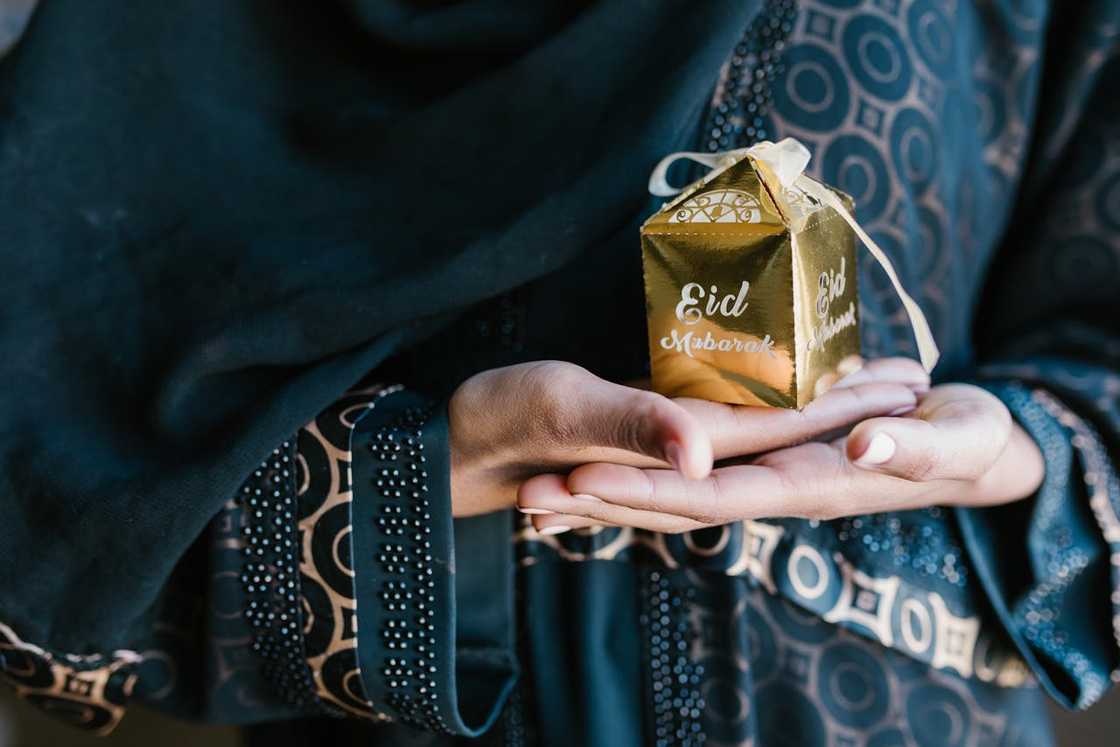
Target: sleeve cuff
(1045, 561)
(426, 626)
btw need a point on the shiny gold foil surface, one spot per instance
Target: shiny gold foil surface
(751, 294)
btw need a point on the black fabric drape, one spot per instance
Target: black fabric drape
(190, 194)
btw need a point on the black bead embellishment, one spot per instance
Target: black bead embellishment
(738, 118)
(408, 601)
(270, 578)
(673, 677)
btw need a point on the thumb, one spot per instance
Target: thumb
(646, 423)
(957, 433)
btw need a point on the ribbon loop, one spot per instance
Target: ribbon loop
(786, 158)
(786, 161)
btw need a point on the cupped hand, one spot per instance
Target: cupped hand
(959, 447)
(508, 425)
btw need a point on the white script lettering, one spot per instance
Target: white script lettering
(731, 305)
(689, 342)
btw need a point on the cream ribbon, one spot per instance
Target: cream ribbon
(784, 162)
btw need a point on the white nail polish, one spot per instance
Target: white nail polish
(879, 451)
(535, 511)
(554, 529)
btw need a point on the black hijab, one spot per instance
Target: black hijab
(215, 217)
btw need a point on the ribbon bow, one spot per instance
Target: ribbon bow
(781, 167)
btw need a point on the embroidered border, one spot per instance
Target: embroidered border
(89, 692)
(329, 605)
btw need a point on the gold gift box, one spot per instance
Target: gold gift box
(750, 280)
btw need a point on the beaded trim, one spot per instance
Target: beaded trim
(743, 96)
(1101, 484)
(674, 677)
(270, 577)
(408, 594)
(909, 541)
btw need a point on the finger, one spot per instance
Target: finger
(546, 496)
(957, 433)
(622, 517)
(605, 421)
(881, 387)
(550, 524)
(728, 494)
(549, 493)
(903, 371)
(738, 431)
(812, 481)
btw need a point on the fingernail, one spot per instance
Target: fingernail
(902, 410)
(586, 497)
(554, 529)
(535, 511)
(673, 455)
(879, 451)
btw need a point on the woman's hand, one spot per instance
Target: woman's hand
(510, 424)
(959, 447)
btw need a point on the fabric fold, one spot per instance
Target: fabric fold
(1055, 593)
